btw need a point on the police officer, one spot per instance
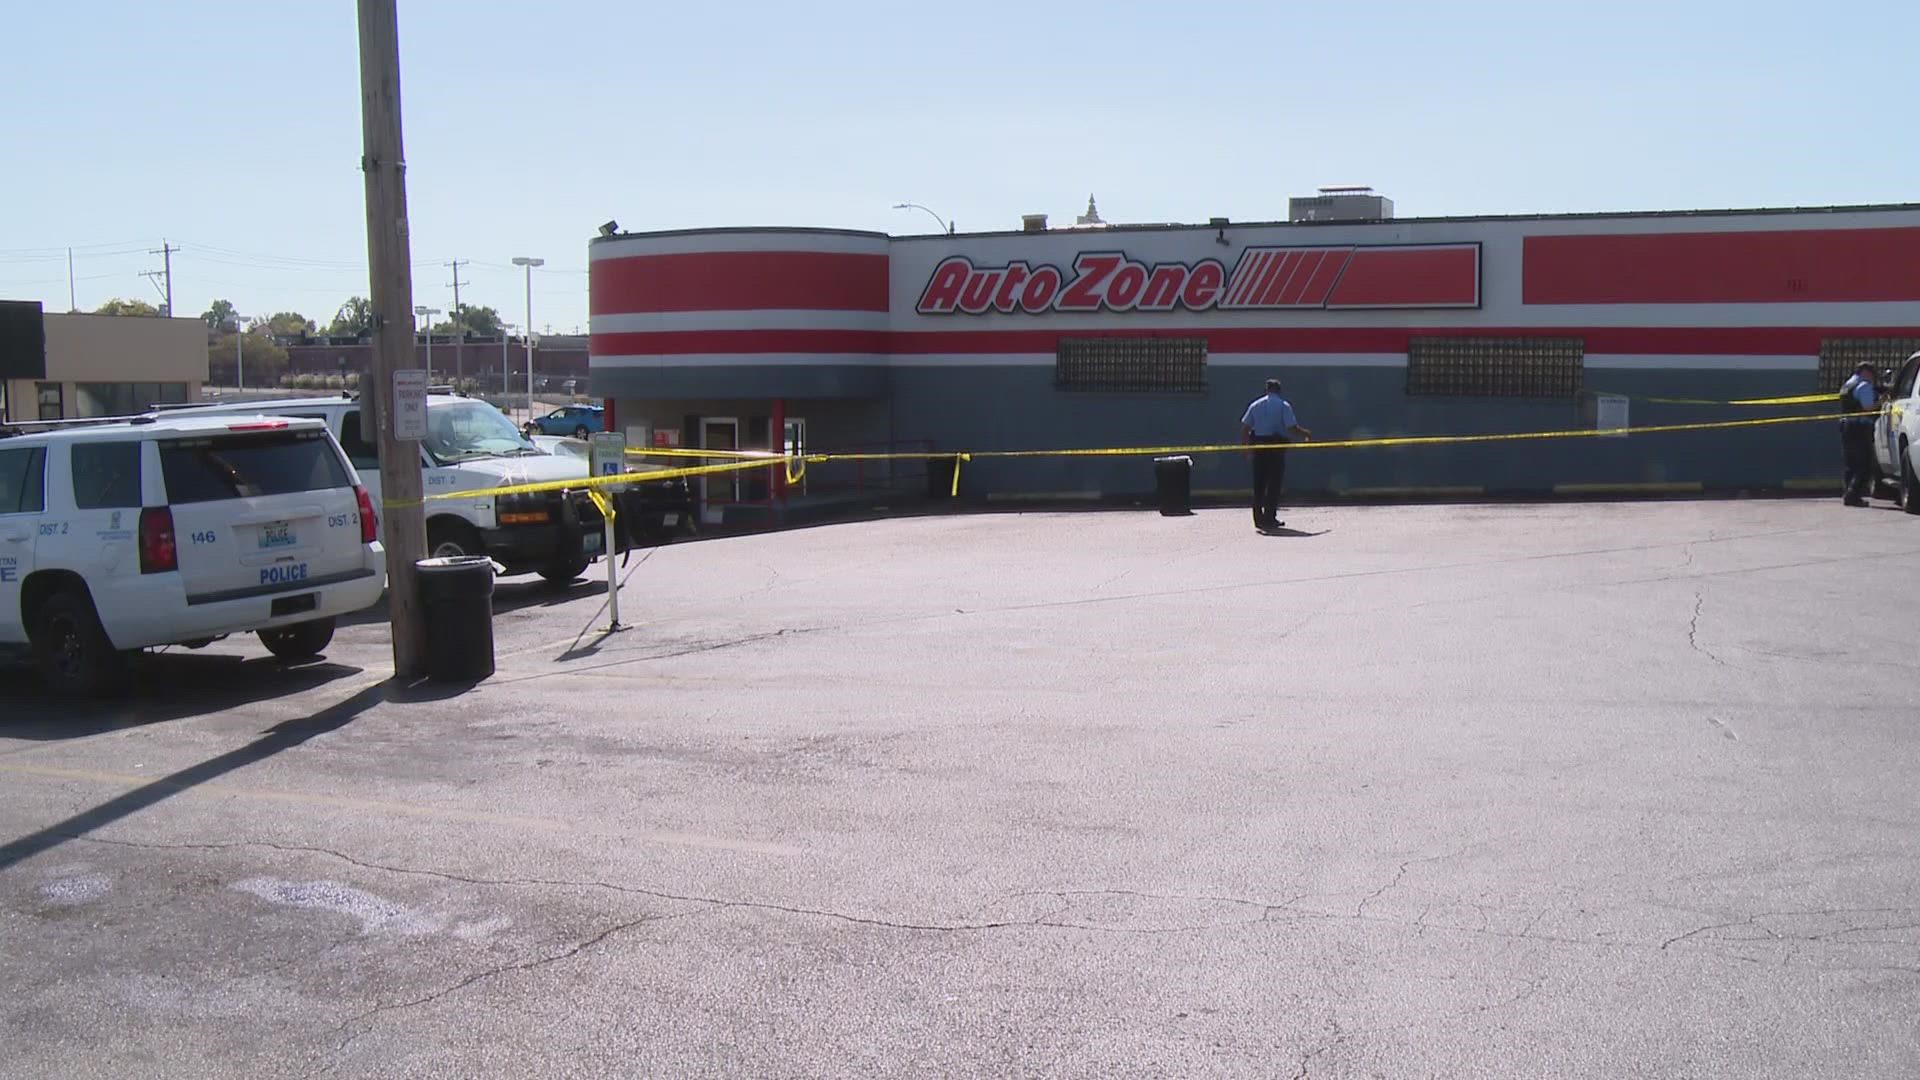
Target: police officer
(1859, 398)
(1269, 420)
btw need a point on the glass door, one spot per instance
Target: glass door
(718, 433)
(795, 446)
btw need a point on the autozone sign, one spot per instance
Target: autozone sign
(1262, 279)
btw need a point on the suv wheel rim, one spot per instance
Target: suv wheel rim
(69, 651)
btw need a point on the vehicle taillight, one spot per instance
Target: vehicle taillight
(158, 552)
(369, 525)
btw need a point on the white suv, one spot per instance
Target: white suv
(1896, 435)
(158, 531)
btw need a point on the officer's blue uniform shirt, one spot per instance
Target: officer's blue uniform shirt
(1269, 415)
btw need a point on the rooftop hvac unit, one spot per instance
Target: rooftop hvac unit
(1342, 202)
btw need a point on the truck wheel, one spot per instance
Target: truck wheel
(565, 571)
(449, 537)
(73, 651)
(299, 641)
(1909, 485)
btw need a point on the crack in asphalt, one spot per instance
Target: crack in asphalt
(1306, 1060)
(1773, 935)
(1360, 909)
(370, 1015)
(1693, 628)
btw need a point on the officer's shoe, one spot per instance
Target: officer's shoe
(1853, 500)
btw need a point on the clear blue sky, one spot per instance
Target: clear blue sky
(232, 127)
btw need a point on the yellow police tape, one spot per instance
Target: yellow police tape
(762, 459)
(1798, 399)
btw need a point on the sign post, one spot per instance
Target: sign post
(1610, 415)
(410, 404)
(607, 456)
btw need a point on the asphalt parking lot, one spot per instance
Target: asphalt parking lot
(1530, 790)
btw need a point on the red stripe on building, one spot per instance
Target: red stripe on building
(1797, 266)
(677, 342)
(1283, 271)
(738, 281)
(1289, 294)
(1410, 277)
(1604, 340)
(1261, 263)
(1265, 265)
(1315, 293)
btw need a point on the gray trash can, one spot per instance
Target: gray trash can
(1173, 482)
(456, 594)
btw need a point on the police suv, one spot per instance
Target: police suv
(472, 446)
(1896, 435)
(118, 536)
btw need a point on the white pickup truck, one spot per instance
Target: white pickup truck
(471, 446)
(1896, 435)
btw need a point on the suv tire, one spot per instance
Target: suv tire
(73, 651)
(581, 433)
(451, 536)
(301, 641)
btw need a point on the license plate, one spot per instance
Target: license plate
(590, 543)
(669, 519)
(277, 534)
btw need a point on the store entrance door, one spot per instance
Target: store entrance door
(718, 433)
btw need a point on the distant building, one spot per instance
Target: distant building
(556, 358)
(65, 366)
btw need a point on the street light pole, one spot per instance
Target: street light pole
(423, 311)
(529, 262)
(945, 225)
(506, 361)
(239, 360)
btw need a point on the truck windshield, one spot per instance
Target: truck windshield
(471, 430)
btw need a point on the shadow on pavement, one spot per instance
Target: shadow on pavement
(168, 686)
(275, 740)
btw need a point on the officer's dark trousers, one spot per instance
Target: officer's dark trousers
(1856, 440)
(1269, 471)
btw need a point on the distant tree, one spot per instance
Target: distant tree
(265, 359)
(118, 306)
(478, 321)
(219, 317)
(289, 324)
(354, 319)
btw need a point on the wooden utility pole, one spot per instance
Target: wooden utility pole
(389, 260)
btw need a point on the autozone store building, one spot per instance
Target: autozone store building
(1158, 335)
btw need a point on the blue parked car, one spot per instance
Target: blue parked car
(577, 421)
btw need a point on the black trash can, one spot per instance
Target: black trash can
(456, 594)
(1173, 482)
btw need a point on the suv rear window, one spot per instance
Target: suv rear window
(106, 475)
(243, 466)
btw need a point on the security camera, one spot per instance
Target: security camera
(609, 228)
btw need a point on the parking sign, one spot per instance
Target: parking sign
(607, 454)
